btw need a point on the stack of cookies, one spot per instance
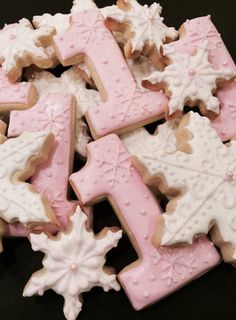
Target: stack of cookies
(125, 69)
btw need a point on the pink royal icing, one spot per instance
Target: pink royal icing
(53, 112)
(109, 174)
(126, 105)
(15, 95)
(196, 32)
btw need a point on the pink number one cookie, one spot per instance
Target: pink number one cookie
(158, 272)
(56, 113)
(194, 33)
(125, 106)
(15, 95)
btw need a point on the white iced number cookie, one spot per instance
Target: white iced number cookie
(189, 80)
(21, 46)
(74, 263)
(204, 174)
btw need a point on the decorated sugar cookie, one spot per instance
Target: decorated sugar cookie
(18, 158)
(145, 25)
(21, 46)
(70, 82)
(124, 106)
(81, 5)
(203, 172)
(55, 113)
(74, 263)
(189, 80)
(109, 174)
(192, 34)
(15, 95)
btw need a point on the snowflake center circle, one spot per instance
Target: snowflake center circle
(229, 176)
(74, 267)
(192, 72)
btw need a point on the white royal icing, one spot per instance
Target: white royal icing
(74, 263)
(190, 78)
(207, 179)
(21, 45)
(145, 22)
(18, 201)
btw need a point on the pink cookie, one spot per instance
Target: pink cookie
(56, 113)
(125, 106)
(195, 32)
(15, 95)
(158, 272)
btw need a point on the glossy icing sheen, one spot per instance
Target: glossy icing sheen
(207, 179)
(190, 78)
(109, 173)
(70, 82)
(15, 95)
(18, 200)
(197, 31)
(126, 105)
(21, 45)
(145, 23)
(55, 113)
(74, 263)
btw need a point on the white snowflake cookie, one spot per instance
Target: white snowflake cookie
(145, 25)
(21, 46)
(74, 263)
(189, 80)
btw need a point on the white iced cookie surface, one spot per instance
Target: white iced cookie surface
(60, 22)
(81, 5)
(145, 23)
(190, 78)
(18, 200)
(74, 263)
(21, 45)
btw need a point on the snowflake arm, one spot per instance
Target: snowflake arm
(144, 22)
(59, 22)
(21, 46)
(74, 263)
(190, 79)
(18, 157)
(81, 5)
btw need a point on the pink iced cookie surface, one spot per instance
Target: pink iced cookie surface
(53, 112)
(125, 106)
(196, 32)
(15, 95)
(158, 272)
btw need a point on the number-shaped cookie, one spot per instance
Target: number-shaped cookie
(158, 272)
(125, 106)
(55, 113)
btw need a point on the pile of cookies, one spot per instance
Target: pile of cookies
(125, 69)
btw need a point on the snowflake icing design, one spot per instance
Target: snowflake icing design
(74, 263)
(190, 78)
(21, 45)
(207, 178)
(115, 165)
(209, 34)
(92, 29)
(131, 103)
(175, 264)
(146, 23)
